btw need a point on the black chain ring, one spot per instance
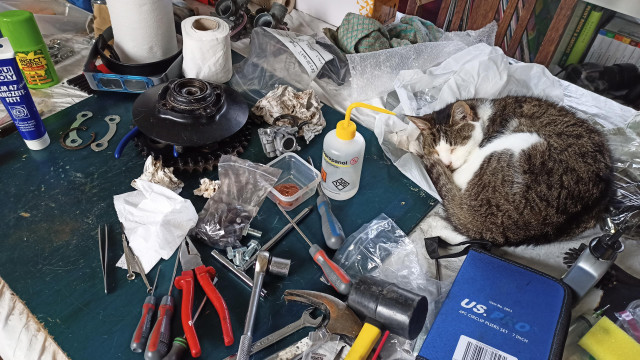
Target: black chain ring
(195, 159)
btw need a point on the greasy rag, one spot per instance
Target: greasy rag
(285, 100)
(360, 34)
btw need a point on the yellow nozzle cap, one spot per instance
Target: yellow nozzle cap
(346, 129)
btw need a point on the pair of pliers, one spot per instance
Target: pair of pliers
(191, 262)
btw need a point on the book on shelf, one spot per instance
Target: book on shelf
(576, 33)
(587, 32)
(617, 42)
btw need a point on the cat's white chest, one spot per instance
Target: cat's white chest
(515, 143)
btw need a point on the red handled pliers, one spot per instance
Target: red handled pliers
(190, 260)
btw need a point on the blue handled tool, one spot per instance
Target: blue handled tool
(331, 228)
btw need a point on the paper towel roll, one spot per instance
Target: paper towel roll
(206, 49)
(143, 30)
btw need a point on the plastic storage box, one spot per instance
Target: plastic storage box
(294, 171)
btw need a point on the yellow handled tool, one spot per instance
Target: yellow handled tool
(364, 343)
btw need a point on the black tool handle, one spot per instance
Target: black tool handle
(178, 350)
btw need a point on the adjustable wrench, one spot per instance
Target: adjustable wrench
(306, 320)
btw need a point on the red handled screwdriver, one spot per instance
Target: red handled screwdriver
(336, 276)
(140, 336)
(180, 345)
(158, 345)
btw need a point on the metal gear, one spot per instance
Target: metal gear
(196, 159)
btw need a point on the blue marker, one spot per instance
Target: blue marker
(16, 98)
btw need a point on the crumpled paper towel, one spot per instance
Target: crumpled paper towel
(154, 172)
(155, 220)
(285, 100)
(207, 188)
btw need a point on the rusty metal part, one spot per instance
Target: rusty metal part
(64, 134)
(342, 320)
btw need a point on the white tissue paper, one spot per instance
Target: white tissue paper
(156, 220)
(143, 30)
(206, 49)
(480, 71)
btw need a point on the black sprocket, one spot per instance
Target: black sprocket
(196, 159)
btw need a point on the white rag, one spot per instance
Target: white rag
(155, 220)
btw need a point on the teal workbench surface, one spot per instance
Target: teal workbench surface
(55, 199)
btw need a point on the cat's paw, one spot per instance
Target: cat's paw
(436, 225)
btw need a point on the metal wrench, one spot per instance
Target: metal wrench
(306, 320)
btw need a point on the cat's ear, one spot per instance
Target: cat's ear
(420, 122)
(461, 112)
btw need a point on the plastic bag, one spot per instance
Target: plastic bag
(629, 320)
(382, 250)
(272, 62)
(325, 346)
(226, 215)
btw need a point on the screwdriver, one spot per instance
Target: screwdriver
(331, 228)
(141, 334)
(158, 345)
(336, 276)
(180, 346)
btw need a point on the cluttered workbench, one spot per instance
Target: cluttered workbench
(58, 198)
(70, 286)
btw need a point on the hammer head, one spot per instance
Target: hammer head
(399, 310)
(342, 320)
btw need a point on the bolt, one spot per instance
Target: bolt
(237, 257)
(230, 253)
(254, 232)
(253, 247)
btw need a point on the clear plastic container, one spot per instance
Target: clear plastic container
(297, 172)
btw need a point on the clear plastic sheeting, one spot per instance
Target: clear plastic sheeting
(382, 250)
(272, 62)
(373, 74)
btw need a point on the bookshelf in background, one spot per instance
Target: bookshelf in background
(536, 28)
(600, 51)
(597, 34)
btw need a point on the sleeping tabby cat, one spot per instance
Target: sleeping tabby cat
(516, 170)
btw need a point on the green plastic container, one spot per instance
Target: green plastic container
(20, 27)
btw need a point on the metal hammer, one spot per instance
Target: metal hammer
(264, 262)
(342, 320)
(399, 310)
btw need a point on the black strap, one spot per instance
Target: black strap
(113, 63)
(432, 244)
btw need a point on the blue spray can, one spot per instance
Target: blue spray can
(16, 98)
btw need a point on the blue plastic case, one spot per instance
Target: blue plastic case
(500, 310)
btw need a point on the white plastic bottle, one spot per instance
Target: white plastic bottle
(342, 157)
